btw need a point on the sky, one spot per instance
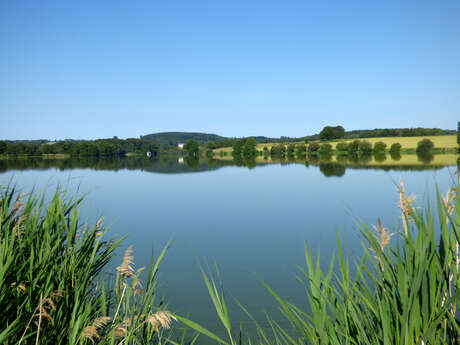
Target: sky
(98, 69)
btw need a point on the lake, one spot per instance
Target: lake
(253, 223)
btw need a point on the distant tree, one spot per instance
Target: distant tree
(291, 149)
(2, 147)
(211, 145)
(380, 146)
(365, 147)
(353, 147)
(192, 148)
(249, 148)
(306, 141)
(330, 133)
(425, 145)
(458, 133)
(278, 150)
(341, 146)
(265, 151)
(313, 148)
(238, 147)
(301, 149)
(395, 148)
(325, 149)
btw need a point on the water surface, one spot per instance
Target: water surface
(253, 223)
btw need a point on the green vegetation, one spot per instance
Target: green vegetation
(89, 148)
(403, 290)
(365, 147)
(395, 148)
(278, 150)
(192, 148)
(330, 133)
(249, 149)
(458, 133)
(380, 146)
(325, 149)
(424, 146)
(52, 289)
(175, 138)
(313, 148)
(301, 150)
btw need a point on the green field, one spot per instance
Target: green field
(407, 143)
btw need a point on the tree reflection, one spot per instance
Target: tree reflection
(425, 157)
(332, 169)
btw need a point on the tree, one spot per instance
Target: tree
(425, 145)
(329, 133)
(301, 149)
(192, 147)
(278, 150)
(249, 148)
(380, 146)
(342, 146)
(458, 133)
(291, 149)
(313, 148)
(395, 148)
(365, 147)
(306, 141)
(238, 147)
(353, 147)
(325, 149)
(2, 147)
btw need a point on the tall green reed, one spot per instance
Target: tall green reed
(52, 289)
(405, 291)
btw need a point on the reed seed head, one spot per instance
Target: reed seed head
(126, 268)
(163, 318)
(383, 235)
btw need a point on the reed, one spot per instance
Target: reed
(52, 286)
(403, 291)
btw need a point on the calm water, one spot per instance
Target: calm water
(253, 223)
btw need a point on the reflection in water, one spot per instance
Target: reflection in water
(396, 156)
(332, 169)
(380, 157)
(173, 164)
(192, 162)
(425, 157)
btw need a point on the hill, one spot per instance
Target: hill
(174, 138)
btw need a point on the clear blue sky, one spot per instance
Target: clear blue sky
(92, 69)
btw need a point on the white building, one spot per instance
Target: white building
(181, 146)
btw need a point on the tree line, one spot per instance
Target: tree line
(90, 148)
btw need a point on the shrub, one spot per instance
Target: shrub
(325, 149)
(395, 148)
(341, 146)
(365, 147)
(301, 149)
(313, 148)
(353, 147)
(278, 150)
(380, 146)
(425, 145)
(290, 149)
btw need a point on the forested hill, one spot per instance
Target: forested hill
(174, 138)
